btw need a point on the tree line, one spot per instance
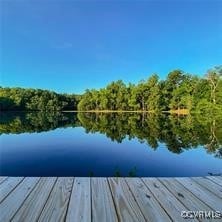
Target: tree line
(36, 100)
(178, 91)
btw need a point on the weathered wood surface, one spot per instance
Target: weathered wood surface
(106, 199)
(57, 203)
(80, 201)
(208, 197)
(102, 203)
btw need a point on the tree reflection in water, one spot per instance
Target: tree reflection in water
(177, 132)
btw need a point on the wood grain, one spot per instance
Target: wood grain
(8, 185)
(2, 179)
(217, 180)
(210, 185)
(13, 201)
(149, 206)
(100, 199)
(80, 202)
(203, 194)
(57, 203)
(168, 201)
(103, 208)
(127, 208)
(185, 196)
(33, 205)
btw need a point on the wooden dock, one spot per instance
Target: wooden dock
(87, 199)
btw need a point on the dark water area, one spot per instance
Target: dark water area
(109, 144)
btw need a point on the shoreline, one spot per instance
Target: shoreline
(179, 112)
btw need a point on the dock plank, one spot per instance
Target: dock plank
(103, 208)
(210, 185)
(8, 185)
(80, 201)
(127, 208)
(149, 206)
(202, 193)
(86, 199)
(217, 180)
(171, 204)
(33, 205)
(2, 179)
(57, 203)
(185, 196)
(15, 199)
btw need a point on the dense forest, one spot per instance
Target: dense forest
(178, 91)
(36, 100)
(179, 133)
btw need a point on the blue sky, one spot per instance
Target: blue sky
(68, 46)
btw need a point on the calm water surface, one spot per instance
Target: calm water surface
(84, 144)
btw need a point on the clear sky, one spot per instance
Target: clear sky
(68, 46)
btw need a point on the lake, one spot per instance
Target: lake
(109, 144)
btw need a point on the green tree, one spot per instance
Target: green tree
(214, 78)
(173, 81)
(153, 98)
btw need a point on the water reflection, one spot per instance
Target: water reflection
(178, 133)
